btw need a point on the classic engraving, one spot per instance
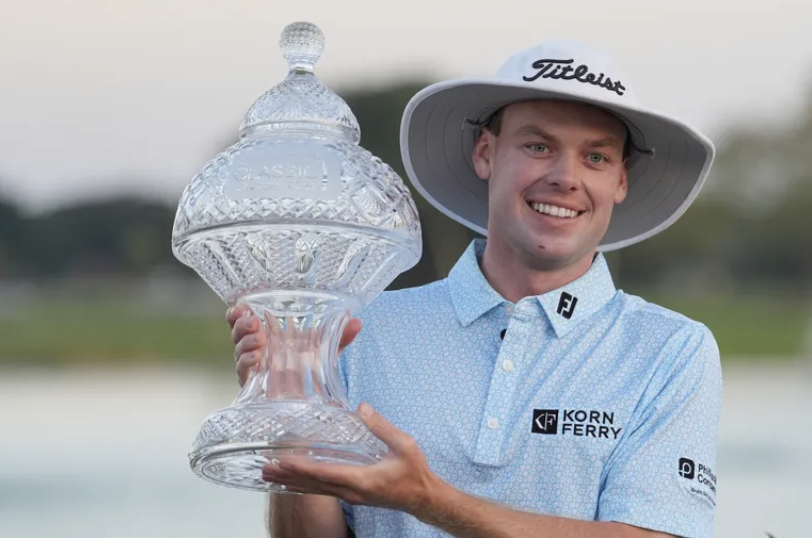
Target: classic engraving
(273, 173)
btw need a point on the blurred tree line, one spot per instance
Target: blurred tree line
(750, 229)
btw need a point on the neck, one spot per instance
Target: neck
(514, 280)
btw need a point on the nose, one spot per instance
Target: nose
(564, 172)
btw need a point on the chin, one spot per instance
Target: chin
(550, 257)
(556, 254)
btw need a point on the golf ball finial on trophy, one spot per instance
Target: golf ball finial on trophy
(299, 222)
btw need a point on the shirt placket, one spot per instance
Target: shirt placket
(499, 406)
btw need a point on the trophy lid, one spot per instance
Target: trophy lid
(301, 102)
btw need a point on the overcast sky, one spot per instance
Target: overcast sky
(103, 96)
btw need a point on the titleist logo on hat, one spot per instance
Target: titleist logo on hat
(564, 71)
(438, 160)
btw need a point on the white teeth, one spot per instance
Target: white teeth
(555, 211)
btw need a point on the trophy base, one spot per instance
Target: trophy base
(235, 443)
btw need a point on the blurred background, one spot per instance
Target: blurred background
(112, 353)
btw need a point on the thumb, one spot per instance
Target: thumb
(351, 330)
(394, 438)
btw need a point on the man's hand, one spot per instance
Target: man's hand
(401, 481)
(249, 338)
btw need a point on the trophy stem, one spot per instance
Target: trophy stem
(300, 359)
(293, 404)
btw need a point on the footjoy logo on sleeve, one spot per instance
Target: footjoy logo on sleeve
(575, 423)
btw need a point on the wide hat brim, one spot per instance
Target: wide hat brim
(437, 143)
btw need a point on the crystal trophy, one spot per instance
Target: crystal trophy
(299, 222)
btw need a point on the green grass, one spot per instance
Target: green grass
(749, 327)
(68, 332)
(72, 332)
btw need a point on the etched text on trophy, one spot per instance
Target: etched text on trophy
(285, 173)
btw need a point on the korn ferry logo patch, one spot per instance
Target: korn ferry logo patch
(575, 423)
(545, 421)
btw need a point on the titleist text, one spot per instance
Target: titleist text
(563, 70)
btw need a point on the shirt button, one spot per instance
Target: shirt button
(507, 365)
(509, 309)
(493, 423)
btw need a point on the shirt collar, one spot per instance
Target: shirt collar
(471, 292)
(565, 307)
(572, 303)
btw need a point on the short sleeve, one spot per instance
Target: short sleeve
(662, 475)
(348, 517)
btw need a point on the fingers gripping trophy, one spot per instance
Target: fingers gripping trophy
(303, 225)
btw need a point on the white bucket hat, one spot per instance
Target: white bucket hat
(668, 164)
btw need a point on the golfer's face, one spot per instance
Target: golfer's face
(554, 174)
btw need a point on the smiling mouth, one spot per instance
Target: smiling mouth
(554, 211)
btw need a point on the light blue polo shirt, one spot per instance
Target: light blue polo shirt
(596, 405)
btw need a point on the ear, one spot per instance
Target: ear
(483, 155)
(623, 186)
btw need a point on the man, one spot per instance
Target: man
(523, 395)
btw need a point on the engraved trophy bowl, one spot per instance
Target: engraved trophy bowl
(306, 227)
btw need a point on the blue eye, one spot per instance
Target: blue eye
(537, 147)
(597, 158)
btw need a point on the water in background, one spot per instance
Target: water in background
(90, 454)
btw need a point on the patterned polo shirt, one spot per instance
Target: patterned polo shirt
(584, 402)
